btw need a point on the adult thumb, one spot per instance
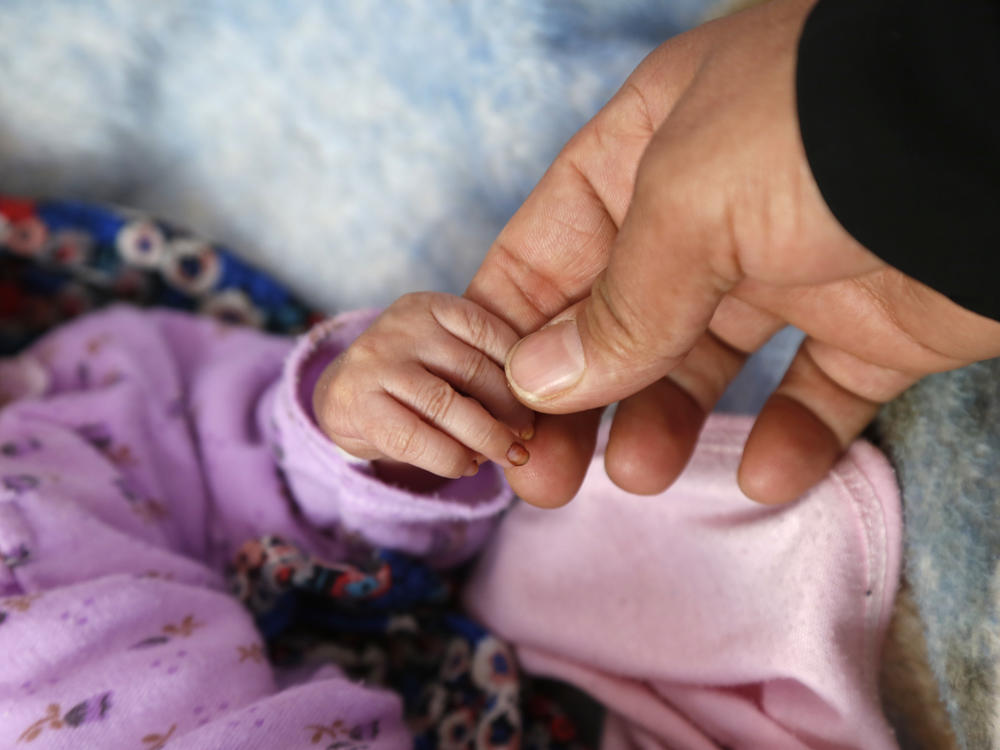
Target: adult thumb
(645, 311)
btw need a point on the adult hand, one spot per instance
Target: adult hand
(674, 234)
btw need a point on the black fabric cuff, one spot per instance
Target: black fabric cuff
(899, 109)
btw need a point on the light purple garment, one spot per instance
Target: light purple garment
(137, 452)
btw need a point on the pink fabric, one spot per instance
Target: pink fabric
(699, 618)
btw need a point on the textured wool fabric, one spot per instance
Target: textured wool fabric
(137, 452)
(700, 619)
(943, 436)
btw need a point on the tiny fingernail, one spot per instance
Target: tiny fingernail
(517, 454)
(527, 433)
(548, 362)
(471, 470)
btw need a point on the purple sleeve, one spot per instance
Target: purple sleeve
(207, 430)
(138, 451)
(331, 488)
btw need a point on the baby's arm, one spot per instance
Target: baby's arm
(139, 450)
(425, 386)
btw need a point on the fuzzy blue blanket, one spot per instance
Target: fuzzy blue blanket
(357, 150)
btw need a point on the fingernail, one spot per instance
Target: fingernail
(548, 362)
(517, 454)
(471, 470)
(527, 433)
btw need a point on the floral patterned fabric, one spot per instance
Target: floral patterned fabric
(388, 619)
(61, 258)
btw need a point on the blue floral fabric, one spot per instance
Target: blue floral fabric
(387, 619)
(61, 258)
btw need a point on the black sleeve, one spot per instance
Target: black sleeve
(899, 108)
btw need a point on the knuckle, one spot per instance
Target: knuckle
(479, 330)
(866, 380)
(469, 322)
(496, 439)
(362, 351)
(475, 371)
(435, 399)
(638, 108)
(614, 326)
(400, 441)
(407, 299)
(412, 300)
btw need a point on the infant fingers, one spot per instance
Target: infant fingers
(477, 327)
(402, 435)
(461, 417)
(474, 374)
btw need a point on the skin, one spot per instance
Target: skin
(674, 234)
(424, 387)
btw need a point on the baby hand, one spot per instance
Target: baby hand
(425, 385)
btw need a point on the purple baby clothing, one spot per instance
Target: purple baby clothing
(139, 451)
